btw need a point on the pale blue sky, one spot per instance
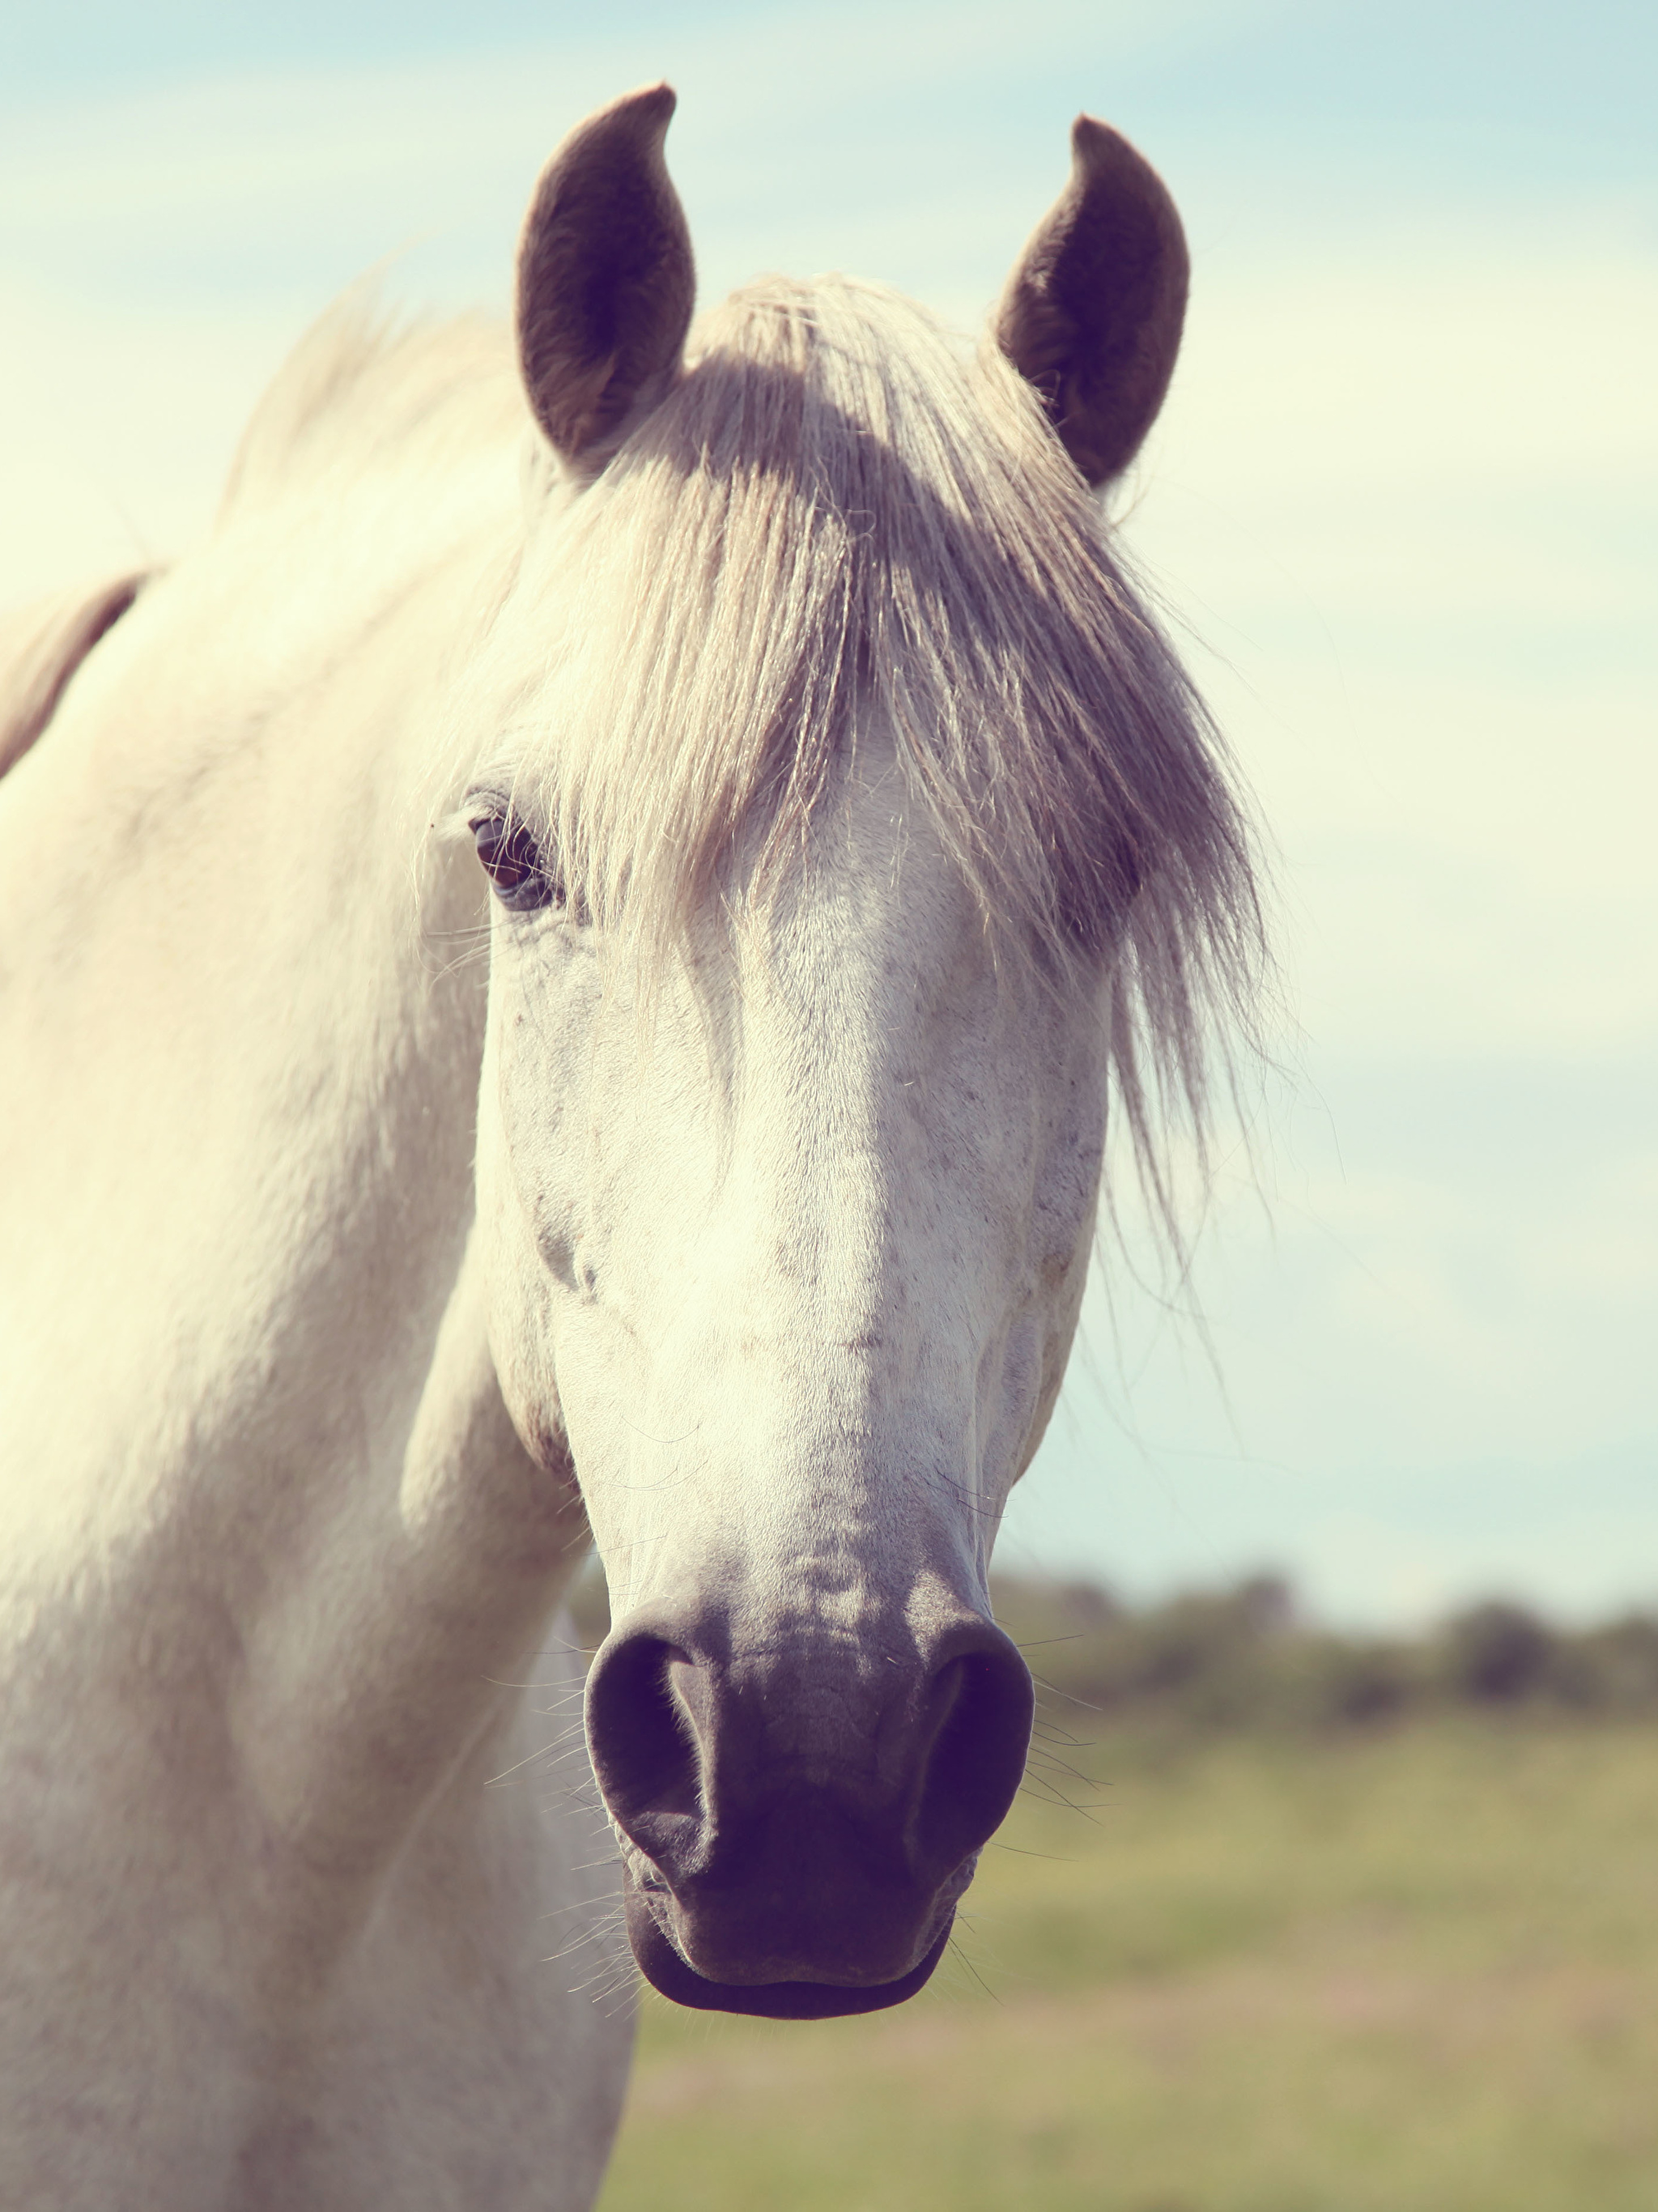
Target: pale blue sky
(1405, 495)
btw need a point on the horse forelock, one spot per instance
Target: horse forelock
(834, 512)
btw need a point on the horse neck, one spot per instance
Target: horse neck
(238, 960)
(269, 1534)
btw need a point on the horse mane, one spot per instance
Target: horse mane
(364, 390)
(834, 511)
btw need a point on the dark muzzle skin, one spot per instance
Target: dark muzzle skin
(663, 1968)
(799, 1824)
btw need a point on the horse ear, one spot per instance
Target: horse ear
(1092, 314)
(605, 281)
(42, 643)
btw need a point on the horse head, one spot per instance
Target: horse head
(837, 797)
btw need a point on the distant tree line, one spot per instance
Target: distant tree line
(1245, 1657)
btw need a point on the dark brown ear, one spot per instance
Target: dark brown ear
(1092, 314)
(605, 282)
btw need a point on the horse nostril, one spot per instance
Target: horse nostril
(642, 1742)
(976, 1761)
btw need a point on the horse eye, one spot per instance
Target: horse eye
(513, 862)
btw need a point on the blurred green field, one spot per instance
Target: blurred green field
(1413, 1970)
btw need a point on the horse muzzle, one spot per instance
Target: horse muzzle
(799, 1824)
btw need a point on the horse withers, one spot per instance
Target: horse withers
(847, 831)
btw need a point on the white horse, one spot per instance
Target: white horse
(847, 831)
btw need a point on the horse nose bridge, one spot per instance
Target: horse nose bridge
(819, 1261)
(836, 1216)
(820, 1154)
(790, 1248)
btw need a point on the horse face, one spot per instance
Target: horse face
(786, 1233)
(788, 1254)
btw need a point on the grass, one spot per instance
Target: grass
(1413, 1972)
